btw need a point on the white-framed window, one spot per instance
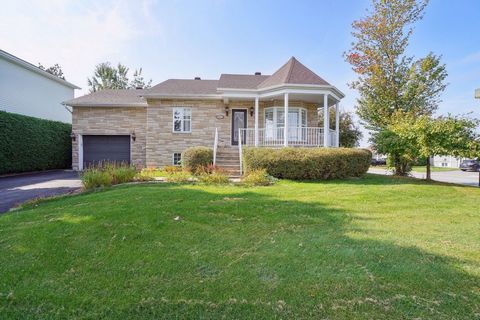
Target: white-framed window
(275, 121)
(177, 159)
(182, 119)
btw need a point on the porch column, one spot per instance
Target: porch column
(285, 123)
(337, 125)
(256, 121)
(326, 122)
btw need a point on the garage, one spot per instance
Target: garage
(98, 148)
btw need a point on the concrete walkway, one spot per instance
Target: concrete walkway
(455, 176)
(17, 189)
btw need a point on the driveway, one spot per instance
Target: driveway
(455, 176)
(17, 189)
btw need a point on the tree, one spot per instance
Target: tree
(109, 77)
(389, 80)
(55, 70)
(350, 133)
(425, 136)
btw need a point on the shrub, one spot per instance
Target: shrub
(214, 177)
(308, 163)
(197, 157)
(172, 169)
(29, 144)
(179, 177)
(106, 174)
(93, 178)
(258, 177)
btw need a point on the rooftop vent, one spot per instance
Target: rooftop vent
(197, 78)
(258, 73)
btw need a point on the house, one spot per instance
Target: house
(29, 90)
(151, 128)
(477, 93)
(446, 161)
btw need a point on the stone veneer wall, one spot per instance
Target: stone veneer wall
(111, 121)
(155, 140)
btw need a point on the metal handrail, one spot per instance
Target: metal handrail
(215, 146)
(240, 142)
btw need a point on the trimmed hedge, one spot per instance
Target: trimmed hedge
(30, 144)
(308, 163)
(195, 158)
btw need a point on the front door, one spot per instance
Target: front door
(239, 121)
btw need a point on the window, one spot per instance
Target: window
(275, 120)
(182, 119)
(177, 159)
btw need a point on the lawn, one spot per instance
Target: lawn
(378, 247)
(423, 169)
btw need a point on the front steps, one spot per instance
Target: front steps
(228, 160)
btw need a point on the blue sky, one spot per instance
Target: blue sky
(183, 39)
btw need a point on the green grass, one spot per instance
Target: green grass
(422, 169)
(372, 248)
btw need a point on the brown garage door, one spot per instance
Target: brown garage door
(106, 148)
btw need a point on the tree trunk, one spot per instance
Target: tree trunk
(429, 174)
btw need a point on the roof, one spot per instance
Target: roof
(240, 81)
(110, 97)
(293, 72)
(27, 65)
(183, 87)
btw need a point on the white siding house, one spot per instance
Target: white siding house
(446, 161)
(28, 90)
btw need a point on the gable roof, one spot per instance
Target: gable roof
(27, 65)
(293, 72)
(109, 97)
(240, 81)
(183, 87)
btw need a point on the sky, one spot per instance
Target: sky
(184, 39)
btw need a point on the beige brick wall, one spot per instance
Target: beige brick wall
(156, 142)
(111, 121)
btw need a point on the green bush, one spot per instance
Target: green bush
(214, 177)
(308, 163)
(106, 174)
(258, 177)
(196, 157)
(179, 177)
(93, 178)
(29, 144)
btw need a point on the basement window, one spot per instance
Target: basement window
(177, 159)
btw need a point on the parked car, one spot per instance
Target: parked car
(471, 165)
(378, 162)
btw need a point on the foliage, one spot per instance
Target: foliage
(389, 80)
(107, 174)
(350, 133)
(195, 158)
(383, 247)
(55, 70)
(308, 163)
(93, 178)
(179, 177)
(110, 77)
(29, 144)
(214, 177)
(258, 177)
(446, 135)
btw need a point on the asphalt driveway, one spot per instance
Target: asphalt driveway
(454, 176)
(15, 190)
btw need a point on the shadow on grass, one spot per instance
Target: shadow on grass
(234, 253)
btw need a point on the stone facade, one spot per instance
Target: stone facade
(111, 121)
(153, 125)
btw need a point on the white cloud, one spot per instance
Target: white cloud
(75, 34)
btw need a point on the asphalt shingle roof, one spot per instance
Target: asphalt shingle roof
(184, 86)
(240, 81)
(109, 97)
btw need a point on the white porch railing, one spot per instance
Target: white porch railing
(215, 146)
(297, 136)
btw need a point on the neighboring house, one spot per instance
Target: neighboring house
(151, 128)
(477, 93)
(29, 90)
(446, 161)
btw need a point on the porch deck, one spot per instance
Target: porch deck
(297, 137)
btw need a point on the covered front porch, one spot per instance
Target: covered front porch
(308, 123)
